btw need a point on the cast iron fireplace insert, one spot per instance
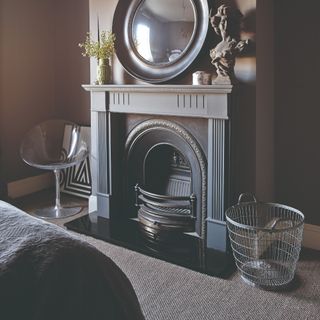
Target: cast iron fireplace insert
(164, 179)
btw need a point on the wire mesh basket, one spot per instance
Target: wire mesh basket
(266, 241)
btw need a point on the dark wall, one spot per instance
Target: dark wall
(27, 76)
(264, 108)
(297, 112)
(245, 70)
(71, 68)
(41, 72)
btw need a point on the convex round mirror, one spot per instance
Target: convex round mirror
(163, 30)
(159, 39)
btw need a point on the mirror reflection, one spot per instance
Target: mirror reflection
(162, 30)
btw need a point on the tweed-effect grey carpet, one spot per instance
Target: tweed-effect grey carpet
(169, 292)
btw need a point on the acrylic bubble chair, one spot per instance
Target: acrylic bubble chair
(54, 145)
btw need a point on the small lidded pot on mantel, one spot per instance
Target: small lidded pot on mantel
(201, 78)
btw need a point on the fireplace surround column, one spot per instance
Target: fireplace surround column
(178, 103)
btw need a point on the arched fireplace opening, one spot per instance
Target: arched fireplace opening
(165, 179)
(165, 201)
(166, 171)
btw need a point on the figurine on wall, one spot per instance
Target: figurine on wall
(226, 24)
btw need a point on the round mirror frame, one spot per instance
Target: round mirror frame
(140, 68)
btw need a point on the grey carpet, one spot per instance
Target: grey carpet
(167, 292)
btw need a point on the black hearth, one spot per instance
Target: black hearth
(184, 250)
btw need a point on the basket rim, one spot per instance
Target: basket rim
(270, 204)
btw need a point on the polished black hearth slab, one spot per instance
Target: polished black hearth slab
(185, 250)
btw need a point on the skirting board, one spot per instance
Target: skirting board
(311, 236)
(19, 188)
(23, 187)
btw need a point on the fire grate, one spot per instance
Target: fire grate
(161, 214)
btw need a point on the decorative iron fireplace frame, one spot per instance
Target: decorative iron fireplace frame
(147, 136)
(212, 103)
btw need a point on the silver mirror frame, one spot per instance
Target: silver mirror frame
(146, 71)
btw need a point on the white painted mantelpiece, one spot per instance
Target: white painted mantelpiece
(185, 100)
(211, 103)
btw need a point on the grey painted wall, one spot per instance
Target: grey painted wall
(41, 71)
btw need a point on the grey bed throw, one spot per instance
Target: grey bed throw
(46, 273)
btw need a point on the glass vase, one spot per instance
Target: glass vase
(103, 71)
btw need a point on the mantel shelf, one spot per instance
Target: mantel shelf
(204, 89)
(200, 101)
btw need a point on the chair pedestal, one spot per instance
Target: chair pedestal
(57, 211)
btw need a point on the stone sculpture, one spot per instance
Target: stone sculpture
(226, 24)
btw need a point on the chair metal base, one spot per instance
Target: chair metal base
(55, 212)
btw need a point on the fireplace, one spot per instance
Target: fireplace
(161, 167)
